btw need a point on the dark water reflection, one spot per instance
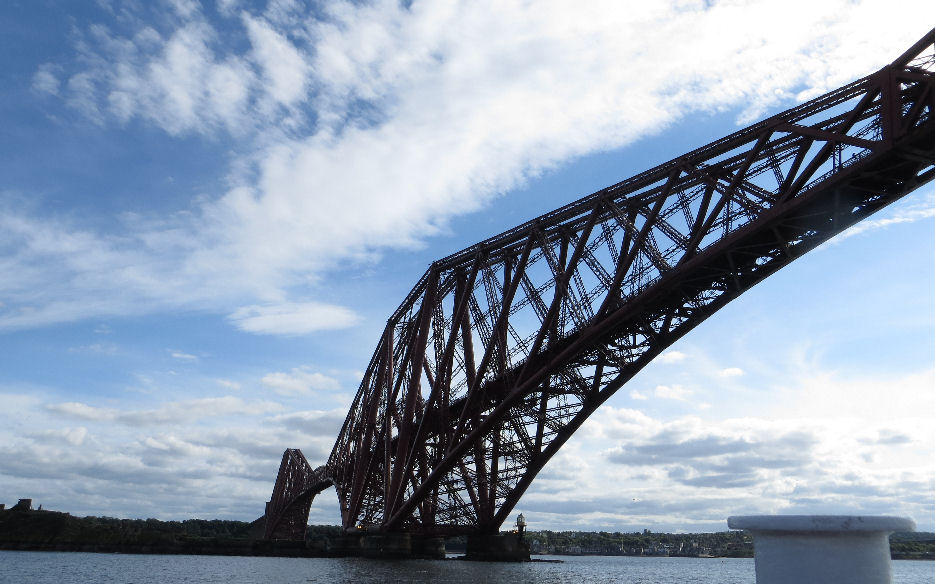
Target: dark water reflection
(75, 568)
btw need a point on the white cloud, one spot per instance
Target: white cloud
(168, 413)
(76, 436)
(671, 356)
(625, 469)
(676, 392)
(398, 118)
(82, 96)
(229, 384)
(285, 69)
(46, 80)
(82, 411)
(813, 391)
(690, 472)
(183, 356)
(299, 381)
(323, 424)
(185, 8)
(178, 82)
(731, 372)
(293, 318)
(60, 436)
(611, 423)
(221, 474)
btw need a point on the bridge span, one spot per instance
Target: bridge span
(502, 350)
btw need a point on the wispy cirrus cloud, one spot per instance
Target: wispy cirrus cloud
(365, 127)
(293, 318)
(919, 211)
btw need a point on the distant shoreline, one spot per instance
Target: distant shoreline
(54, 531)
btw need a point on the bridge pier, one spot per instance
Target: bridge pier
(390, 546)
(508, 547)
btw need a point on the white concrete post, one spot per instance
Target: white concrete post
(821, 549)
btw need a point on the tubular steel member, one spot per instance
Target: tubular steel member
(296, 486)
(501, 351)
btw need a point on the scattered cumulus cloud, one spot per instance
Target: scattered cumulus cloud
(676, 392)
(659, 471)
(299, 381)
(671, 356)
(72, 436)
(46, 79)
(82, 411)
(229, 384)
(696, 471)
(223, 458)
(292, 318)
(175, 413)
(892, 437)
(285, 69)
(366, 127)
(75, 436)
(887, 437)
(324, 424)
(816, 441)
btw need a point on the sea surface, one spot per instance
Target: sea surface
(82, 568)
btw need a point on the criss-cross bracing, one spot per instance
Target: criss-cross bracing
(296, 486)
(501, 351)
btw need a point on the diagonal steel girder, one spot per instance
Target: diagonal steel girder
(503, 350)
(296, 485)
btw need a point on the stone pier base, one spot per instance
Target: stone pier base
(390, 546)
(497, 548)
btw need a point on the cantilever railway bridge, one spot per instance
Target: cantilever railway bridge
(502, 350)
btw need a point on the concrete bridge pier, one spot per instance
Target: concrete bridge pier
(508, 547)
(390, 546)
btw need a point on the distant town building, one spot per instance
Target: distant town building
(23, 505)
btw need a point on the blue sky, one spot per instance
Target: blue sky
(209, 209)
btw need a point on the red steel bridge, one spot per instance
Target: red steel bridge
(502, 350)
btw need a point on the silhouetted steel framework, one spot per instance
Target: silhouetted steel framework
(295, 488)
(503, 350)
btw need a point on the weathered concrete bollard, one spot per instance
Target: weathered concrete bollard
(821, 549)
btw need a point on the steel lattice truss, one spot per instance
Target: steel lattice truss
(296, 486)
(502, 350)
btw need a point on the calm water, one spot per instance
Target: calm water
(79, 568)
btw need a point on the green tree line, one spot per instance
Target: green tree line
(53, 530)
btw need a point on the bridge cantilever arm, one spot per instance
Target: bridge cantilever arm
(730, 225)
(916, 50)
